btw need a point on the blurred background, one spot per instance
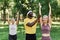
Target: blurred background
(12, 7)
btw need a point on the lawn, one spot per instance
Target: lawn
(55, 33)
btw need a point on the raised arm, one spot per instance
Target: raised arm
(17, 21)
(40, 13)
(30, 24)
(50, 20)
(49, 9)
(8, 19)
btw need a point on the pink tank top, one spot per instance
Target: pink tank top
(45, 29)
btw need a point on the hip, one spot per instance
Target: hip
(12, 32)
(30, 35)
(12, 35)
(46, 38)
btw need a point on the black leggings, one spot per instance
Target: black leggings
(30, 36)
(12, 37)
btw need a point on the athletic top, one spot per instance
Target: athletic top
(45, 29)
(12, 29)
(30, 30)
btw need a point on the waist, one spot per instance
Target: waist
(30, 34)
(45, 32)
(30, 31)
(13, 32)
(12, 35)
(45, 35)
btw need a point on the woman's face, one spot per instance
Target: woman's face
(45, 20)
(12, 21)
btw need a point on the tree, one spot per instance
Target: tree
(5, 6)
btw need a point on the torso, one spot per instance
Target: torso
(45, 30)
(12, 29)
(30, 30)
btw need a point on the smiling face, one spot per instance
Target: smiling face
(30, 15)
(45, 19)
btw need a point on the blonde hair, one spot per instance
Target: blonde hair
(45, 17)
(13, 19)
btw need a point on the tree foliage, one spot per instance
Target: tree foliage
(23, 6)
(4, 7)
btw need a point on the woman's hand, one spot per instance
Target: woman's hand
(40, 8)
(17, 22)
(49, 9)
(49, 6)
(40, 5)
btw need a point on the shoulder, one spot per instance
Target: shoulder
(34, 18)
(25, 18)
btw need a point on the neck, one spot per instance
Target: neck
(45, 24)
(30, 17)
(12, 23)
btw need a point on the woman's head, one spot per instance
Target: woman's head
(45, 19)
(12, 20)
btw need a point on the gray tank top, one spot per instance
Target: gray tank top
(45, 29)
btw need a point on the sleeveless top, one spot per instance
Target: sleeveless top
(12, 29)
(45, 29)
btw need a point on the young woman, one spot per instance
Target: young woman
(45, 22)
(12, 29)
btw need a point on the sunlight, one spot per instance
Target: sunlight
(1, 27)
(58, 2)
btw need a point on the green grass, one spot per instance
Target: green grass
(55, 33)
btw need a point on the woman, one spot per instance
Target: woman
(12, 29)
(45, 22)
